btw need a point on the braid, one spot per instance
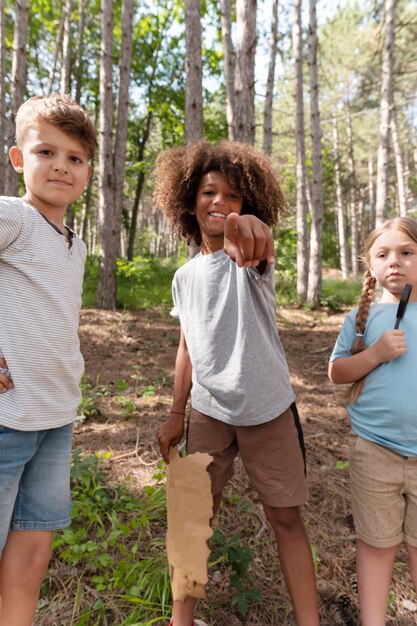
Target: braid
(362, 315)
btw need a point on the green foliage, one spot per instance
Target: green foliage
(239, 558)
(111, 549)
(142, 283)
(286, 263)
(340, 465)
(337, 293)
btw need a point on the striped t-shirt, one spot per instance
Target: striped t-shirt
(40, 299)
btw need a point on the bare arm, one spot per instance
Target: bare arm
(6, 382)
(349, 369)
(171, 431)
(248, 240)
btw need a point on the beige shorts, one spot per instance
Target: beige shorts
(272, 454)
(384, 494)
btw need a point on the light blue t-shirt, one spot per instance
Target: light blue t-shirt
(386, 409)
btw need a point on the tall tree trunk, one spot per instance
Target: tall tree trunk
(371, 192)
(386, 100)
(229, 64)
(316, 238)
(273, 45)
(301, 200)
(399, 165)
(244, 119)
(341, 218)
(354, 226)
(3, 125)
(18, 83)
(193, 72)
(80, 51)
(139, 187)
(123, 107)
(66, 50)
(109, 232)
(57, 48)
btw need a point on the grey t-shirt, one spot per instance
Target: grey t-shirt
(240, 374)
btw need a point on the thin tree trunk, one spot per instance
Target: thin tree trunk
(18, 83)
(139, 187)
(316, 238)
(244, 119)
(341, 218)
(2, 94)
(386, 101)
(109, 234)
(301, 199)
(371, 192)
(229, 64)
(122, 108)
(399, 165)
(354, 227)
(273, 45)
(80, 51)
(193, 72)
(57, 48)
(66, 50)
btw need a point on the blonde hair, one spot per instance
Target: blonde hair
(407, 225)
(59, 110)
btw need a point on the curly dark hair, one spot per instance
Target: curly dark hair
(178, 172)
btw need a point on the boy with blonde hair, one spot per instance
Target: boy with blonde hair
(41, 274)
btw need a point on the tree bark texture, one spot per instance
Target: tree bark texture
(57, 49)
(269, 95)
(340, 210)
(316, 238)
(399, 165)
(229, 64)
(354, 222)
(18, 83)
(386, 101)
(244, 118)
(80, 51)
(66, 50)
(109, 229)
(301, 196)
(193, 72)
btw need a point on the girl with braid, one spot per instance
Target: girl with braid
(380, 363)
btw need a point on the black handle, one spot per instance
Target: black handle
(405, 296)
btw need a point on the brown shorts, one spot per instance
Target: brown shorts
(272, 454)
(384, 494)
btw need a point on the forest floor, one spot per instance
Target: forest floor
(134, 352)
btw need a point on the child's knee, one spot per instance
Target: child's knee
(284, 519)
(27, 555)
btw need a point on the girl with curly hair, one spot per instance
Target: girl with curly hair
(379, 360)
(225, 198)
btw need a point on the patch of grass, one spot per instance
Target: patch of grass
(113, 553)
(142, 283)
(337, 293)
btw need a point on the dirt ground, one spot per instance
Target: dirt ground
(129, 369)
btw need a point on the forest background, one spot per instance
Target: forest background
(328, 91)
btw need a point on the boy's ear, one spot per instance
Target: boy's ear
(16, 159)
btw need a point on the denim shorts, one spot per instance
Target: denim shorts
(34, 480)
